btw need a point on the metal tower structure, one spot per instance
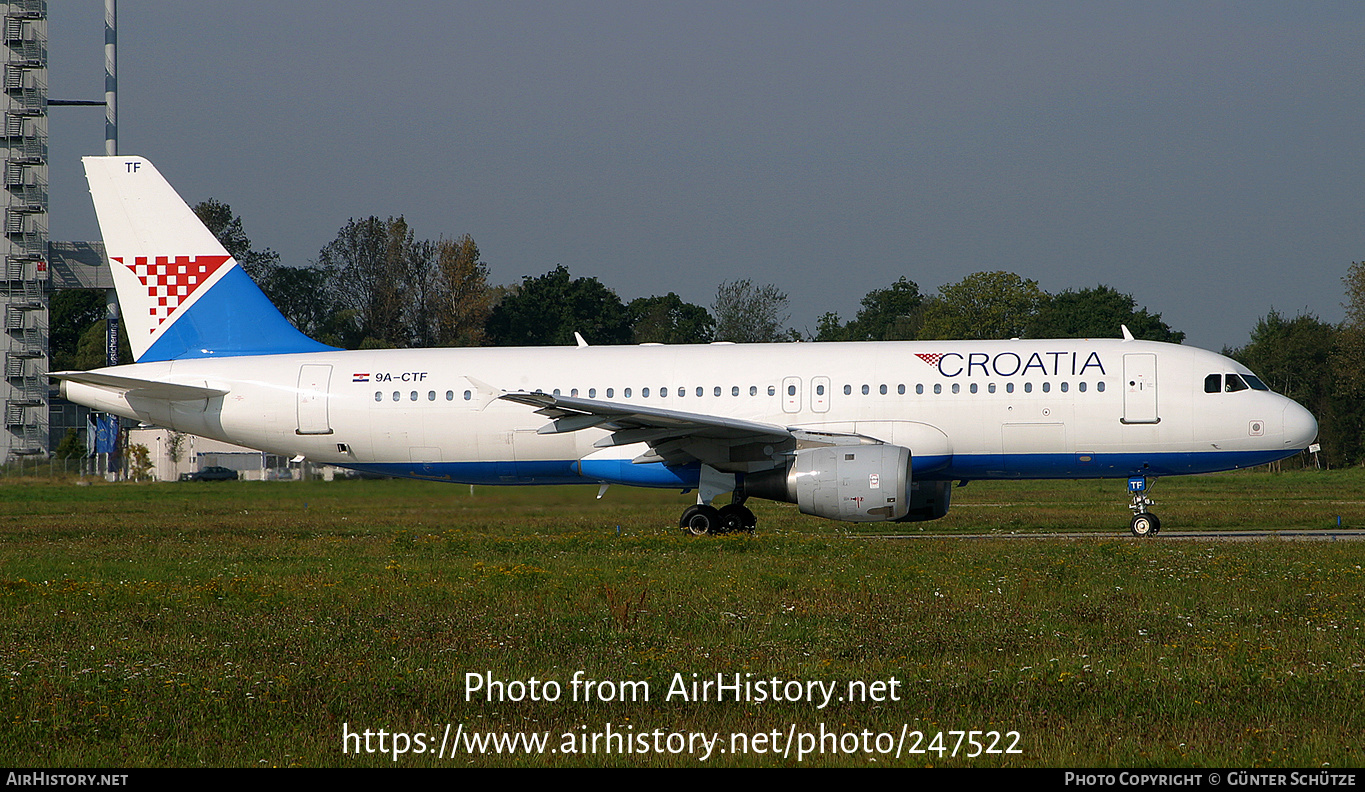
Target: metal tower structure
(23, 297)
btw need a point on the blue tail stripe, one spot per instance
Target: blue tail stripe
(233, 318)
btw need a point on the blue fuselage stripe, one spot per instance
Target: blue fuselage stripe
(942, 468)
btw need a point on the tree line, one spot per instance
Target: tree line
(1319, 365)
(376, 285)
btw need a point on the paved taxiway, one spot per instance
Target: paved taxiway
(1335, 535)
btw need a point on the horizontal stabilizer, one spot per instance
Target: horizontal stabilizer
(140, 388)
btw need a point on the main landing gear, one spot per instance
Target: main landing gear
(703, 520)
(1144, 522)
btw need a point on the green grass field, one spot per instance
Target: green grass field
(248, 624)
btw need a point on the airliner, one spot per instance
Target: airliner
(858, 432)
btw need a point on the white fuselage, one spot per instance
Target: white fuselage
(966, 410)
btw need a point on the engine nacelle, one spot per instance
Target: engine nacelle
(929, 500)
(853, 483)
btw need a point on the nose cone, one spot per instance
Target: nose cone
(1300, 427)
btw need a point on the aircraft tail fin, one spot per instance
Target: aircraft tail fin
(182, 295)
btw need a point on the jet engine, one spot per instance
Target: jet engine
(929, 500)
(853, 483)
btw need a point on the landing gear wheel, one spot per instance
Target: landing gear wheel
(700, 521)
(737, 518)
(1145, 524)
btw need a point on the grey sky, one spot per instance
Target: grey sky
(1205, 157)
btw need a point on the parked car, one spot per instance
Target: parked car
(213, 473)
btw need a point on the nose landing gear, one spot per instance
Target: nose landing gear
(1144, 522)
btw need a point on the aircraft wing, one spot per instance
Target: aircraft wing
(676, 437)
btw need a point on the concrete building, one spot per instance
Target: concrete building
(197, 453)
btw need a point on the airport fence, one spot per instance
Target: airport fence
(48, 467)
(40, 467)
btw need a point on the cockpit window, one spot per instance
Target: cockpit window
(1215, 383)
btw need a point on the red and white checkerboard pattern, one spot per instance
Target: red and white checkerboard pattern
(171, 280)
(930, 358)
